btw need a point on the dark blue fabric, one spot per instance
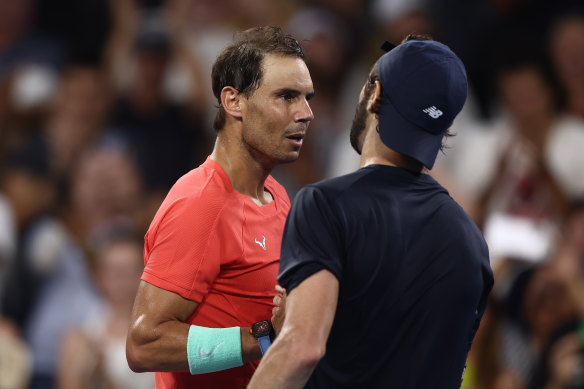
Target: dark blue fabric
(414, 277)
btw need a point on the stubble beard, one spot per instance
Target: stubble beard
(358, 126)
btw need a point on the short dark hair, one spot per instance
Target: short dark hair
(240, 64)
(374, 76)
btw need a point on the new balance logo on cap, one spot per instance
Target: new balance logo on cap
(434, 112)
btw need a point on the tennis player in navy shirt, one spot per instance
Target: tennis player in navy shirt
(387, 277)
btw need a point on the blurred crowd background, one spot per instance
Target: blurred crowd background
(104, 104)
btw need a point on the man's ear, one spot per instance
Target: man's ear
(230, 101)
(375, 99)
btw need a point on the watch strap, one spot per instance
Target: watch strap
(265, 343)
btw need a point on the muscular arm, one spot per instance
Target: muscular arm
(310, 310)
(157, 338)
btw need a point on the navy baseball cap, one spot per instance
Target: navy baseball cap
(423, 87)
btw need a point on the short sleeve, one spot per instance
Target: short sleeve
(181, 251)
(312, 239)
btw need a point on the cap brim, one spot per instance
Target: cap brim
(405, 137)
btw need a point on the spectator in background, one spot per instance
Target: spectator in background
(566, 46)
(564, 155)
(20, 44)
(106, 187)
(399, 18)
(562, 363)
(165, 136)
(48, 286)
(26, 175)
(78, 116)
(522, 194)
(537, 306)
(29, 64)
(529, 338)
(95, 355)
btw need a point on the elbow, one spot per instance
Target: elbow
(137, 360)
(309, 360)
(137, 354)
(308, 354)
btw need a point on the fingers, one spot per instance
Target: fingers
(278, 298)
(275, 311)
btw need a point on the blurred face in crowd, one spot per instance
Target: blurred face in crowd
(106, 184)
(119, 267)
(151, 67)
(567, 50)
(526, 95)
(23, 189)
(83, 96)
(15, 16)
(547, 304)
(276, 116)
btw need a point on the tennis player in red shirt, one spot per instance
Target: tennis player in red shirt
(212, 251)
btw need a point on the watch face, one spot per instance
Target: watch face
(261, 328)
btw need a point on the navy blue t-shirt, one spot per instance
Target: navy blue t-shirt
(414, 277)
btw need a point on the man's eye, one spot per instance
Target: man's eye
(287, 97)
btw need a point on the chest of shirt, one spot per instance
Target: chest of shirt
(249, 239)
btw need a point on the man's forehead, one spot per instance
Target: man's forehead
(290, 71)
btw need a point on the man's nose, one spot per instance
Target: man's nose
(305, 112)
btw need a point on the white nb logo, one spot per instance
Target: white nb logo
(434, 112)
(203, 354)
(262, 244)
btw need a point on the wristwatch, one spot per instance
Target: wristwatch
(262, 331)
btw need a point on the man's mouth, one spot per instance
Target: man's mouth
(296, 139)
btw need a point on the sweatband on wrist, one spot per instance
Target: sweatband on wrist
(213, 349)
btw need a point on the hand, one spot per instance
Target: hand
(567, 267)
(564, 359)
(279, 310)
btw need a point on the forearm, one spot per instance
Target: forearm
(288, 364)
(302, 342)
(165, 348)
(158, 348)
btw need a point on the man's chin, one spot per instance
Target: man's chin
(289, 157)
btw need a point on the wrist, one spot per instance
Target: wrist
(213, 349)
(250, 349)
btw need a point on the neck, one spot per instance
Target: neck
(246, 173)
(375, 152)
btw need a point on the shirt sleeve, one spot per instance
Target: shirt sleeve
(312, 239)
(182, 254)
